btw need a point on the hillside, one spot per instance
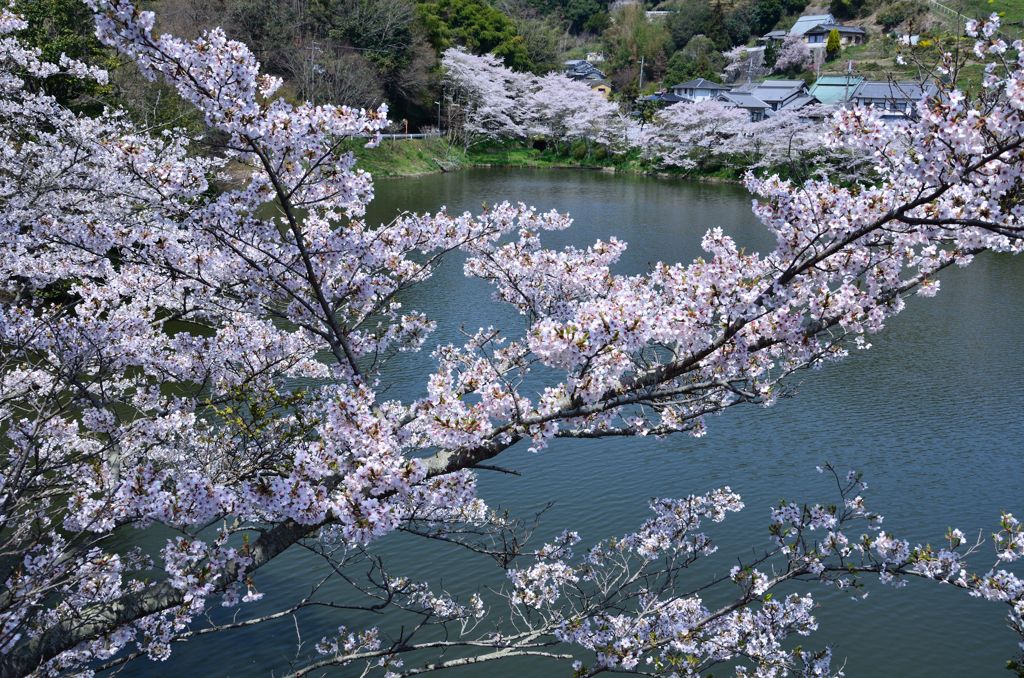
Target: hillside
(368, 52)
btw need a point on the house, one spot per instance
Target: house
(777, 35)
(848, 35)
(835, 89)
(814, 29)
(800, 102)
(578, 69)
(897, 99)
(601, 86)
(699, 89)
(776, 93)
(806, 23)
(757, 109)
(665, 99)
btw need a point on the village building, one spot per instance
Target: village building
(897, 100)
(817, 37)
(815, 28)
(763, 99)
(665, 99)
(805, 23)
(601, 86)
(778, 94)
(578, 69)
(835, 89)
(757, 109)
(699, 89)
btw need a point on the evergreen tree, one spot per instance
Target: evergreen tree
(832, 45)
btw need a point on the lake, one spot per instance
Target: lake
(931, 414)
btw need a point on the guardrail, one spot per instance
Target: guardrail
(414, 135)
(948, 11)
(961, 18)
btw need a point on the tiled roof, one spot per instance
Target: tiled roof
(699, 83)
(800, 102)
(777, 90)
(806, 23)
(893, 91)
(826, 28)
(743, 100)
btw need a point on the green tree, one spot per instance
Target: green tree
(846, 9)
(738, 25)
(764, 15)
(771, 53)
(269, 28)
(630, 39)
(893, 15)
(382, 30)
(688, 19)
(699, 59)
(597, 23)
(832, 45)
(580, 12)
(58, 27)
(477, 26)
(542, 39)
(700, 18)
(375, 49)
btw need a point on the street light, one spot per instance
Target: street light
(438, 104)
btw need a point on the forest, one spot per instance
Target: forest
(369, 52)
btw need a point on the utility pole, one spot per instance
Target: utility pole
(438, 104)
(641, 73)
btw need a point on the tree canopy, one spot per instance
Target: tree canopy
(477, 26)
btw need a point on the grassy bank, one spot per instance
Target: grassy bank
(518, 154)
(415, 157)
(409, 157)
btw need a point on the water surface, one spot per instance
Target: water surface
(931, 414)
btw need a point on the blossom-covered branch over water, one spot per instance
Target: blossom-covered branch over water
(205, 363)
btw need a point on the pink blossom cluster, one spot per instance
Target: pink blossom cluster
(210, 360)
(794, 54)
(493, 101)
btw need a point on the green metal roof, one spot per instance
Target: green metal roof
(833, 89)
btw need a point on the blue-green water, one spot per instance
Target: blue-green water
(932, 415)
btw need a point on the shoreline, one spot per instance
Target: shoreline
(419, 158)
(409, 158)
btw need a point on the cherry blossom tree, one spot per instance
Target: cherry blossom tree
(794, 55)
(153, 329)
(785, 137)
(489, 101)
(564, 109)
(687, 135)
(497, 102)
